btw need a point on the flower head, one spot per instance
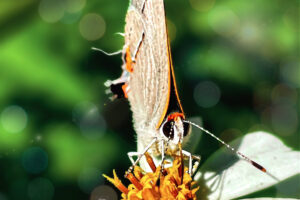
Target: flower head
(166, 184)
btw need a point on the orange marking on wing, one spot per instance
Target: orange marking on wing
(129, 62)
(124, 88)
(173, 75)
(175, 116)
(170, 73)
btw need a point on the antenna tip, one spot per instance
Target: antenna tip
(258, 166)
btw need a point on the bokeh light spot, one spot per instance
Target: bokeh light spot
(202, 5)
(14, 119)
(224, 21)
(38, 138)
(88, 118)
(261, 97)
(249, 34)
(290, 73)
(51, 10)
(89, 178)
(92, 26)
(283, 94)
(207, 94)
(40, 189)
(284, 119)
(104, 192)
(35, 160)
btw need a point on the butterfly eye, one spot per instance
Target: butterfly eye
(168, 129)
(186, 128)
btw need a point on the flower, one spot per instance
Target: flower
(165, 184)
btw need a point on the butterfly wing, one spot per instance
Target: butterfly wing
(146, 38)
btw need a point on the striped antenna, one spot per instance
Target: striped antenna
(239, 154)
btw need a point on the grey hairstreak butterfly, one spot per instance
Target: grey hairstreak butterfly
(148, 81)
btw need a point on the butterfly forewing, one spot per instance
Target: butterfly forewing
(149, 81)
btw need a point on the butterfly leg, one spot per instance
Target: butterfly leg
(162, 155)
(131, 155)
(192, 169)
(196, 164)
(189, 155)
(139, 155)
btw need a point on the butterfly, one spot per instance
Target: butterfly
(148, 81)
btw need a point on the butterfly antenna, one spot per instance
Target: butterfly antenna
(106, 53)
(255, 164)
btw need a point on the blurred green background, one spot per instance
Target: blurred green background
(236, 64)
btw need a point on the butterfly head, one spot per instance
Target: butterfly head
(174, 129)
